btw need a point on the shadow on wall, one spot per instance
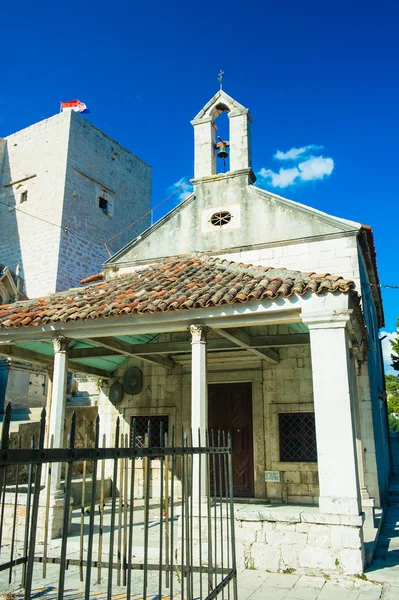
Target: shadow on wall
(10, 250)
(10, 198)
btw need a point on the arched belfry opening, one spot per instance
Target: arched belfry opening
(222, 133)
(233, 140)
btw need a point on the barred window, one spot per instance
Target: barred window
(159, 426)
(297, 437)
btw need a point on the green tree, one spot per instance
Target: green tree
(392, 384)
(392, 387)
(393, 423)
(395, 349)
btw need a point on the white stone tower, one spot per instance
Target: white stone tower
(66, 188)
(205, 136)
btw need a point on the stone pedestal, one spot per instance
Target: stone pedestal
(368, 506)
(54, 523)
(299, 538)
(55, 516)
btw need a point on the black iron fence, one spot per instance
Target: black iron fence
(143, 520)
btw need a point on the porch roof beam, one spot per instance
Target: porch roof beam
(182, 347)
(47, 361)
(122, 347)
(93, 352)
(243, 340)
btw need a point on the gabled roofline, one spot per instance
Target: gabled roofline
(343, 224)
(221, 96)
(7, 274)
(150, 230)
(366, 242)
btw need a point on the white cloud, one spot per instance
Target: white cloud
(282, 179)
(185, 194)
(387, 350)
(316, 167)
(177, 184)
(185, 191)
(295, 153)
(306, 167)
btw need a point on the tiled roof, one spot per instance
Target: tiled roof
(178, 283)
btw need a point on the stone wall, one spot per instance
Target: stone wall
(285, 539)
(85, 420)
(35, 158)
(338, 256)
(16, 530)
(26, 390)
(287, 232)
(98, 166)
(288, 388)
(295, 540)
(67, 244)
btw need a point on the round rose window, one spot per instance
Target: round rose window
(221, 218)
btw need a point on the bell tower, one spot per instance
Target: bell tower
(205, 146)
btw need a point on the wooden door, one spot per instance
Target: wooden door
(230, 410)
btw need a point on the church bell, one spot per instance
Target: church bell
(222, 152)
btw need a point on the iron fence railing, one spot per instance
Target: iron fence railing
(138, 526)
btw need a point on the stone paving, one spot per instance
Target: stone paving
(252, 585)
(257, 585)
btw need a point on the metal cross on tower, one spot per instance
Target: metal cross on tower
(220, 78)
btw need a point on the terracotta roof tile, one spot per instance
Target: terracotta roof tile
(177, 283)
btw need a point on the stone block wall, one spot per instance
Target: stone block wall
(57, 233)
(305, 542)
(26, 390)
(98, 166)
(53, 525)
(285, 539)
(3, 145)
(288, 388)
(338, 256)
(35, 159)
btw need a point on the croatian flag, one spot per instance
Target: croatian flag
(75, 105)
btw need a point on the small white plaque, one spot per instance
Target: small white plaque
(272, 476)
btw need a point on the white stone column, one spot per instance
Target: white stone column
(240, 140)
(56, 429)
(367, 433)
(204, 148)
(367, 502)
(199, 403)
(335, 433)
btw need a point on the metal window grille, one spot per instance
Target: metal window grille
(159, 426)
(297, 437)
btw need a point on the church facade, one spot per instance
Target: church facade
(249, 313)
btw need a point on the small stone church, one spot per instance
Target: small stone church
(250, 313)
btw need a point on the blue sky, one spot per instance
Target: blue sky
(314, 74)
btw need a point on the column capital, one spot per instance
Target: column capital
(336, 319)
(198, 333)
(60, 343)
